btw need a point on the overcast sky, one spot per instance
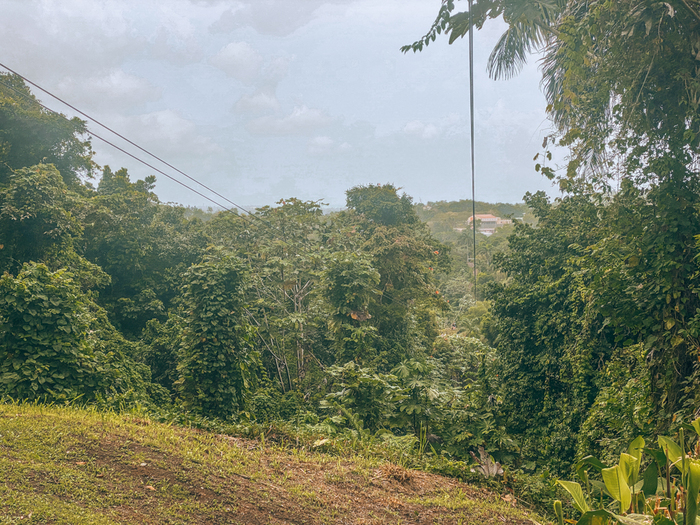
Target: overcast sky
(269, 99)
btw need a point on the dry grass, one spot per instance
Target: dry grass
(65, 465)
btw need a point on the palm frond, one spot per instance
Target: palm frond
(510, 53)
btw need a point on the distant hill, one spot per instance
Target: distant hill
(464, 207)
(446, 218)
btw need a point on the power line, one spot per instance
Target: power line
(125, 152)
(471, 119)
(129, 141)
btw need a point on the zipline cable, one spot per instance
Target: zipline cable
(35, 101)
(126, 139)
(471, 136)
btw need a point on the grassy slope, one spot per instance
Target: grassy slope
(64, 465)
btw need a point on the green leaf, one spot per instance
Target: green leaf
(651, 480)
(616, 484)
(599, 487)
(693, 488)
(595, 517)
(696, 425)
(634, 519)
(629, 465)
(658, 455)
(576, 492)
(636, 447)
(673, 451)
(590, 460)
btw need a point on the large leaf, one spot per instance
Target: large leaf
(672, 450)
(658, 455)
(696, 425)
(581, 470)
(651, 480)
(691, 512)
(598, 487)
(616, 483)
(636, 447)
(605, 517)
(634, 519)
(630, 468)
(592, 461)
(596, 517)
(576, 492)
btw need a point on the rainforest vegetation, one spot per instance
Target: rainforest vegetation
(584, 335)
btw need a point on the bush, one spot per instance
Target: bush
(217, 363)
(56, 344)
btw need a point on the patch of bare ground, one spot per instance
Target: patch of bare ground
(125, 472)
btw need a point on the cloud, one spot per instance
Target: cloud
(176, 48)
(112, 88)
(165, 132)
(49, 40)
(301, 121)
(420, 129)
(322, 145)
(276, 69)
(264, 99)
(268, 17)
(240, 61)
(257, 103)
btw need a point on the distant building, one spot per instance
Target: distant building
(487, 223)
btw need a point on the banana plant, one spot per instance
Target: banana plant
(633, 493)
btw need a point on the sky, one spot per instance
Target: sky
(265, 100)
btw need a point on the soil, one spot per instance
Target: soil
(311, 493)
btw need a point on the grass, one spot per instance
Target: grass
(80, 466)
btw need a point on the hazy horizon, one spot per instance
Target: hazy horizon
(275, 99)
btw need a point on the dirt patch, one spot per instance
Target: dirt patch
(302, 492)
(144, 473)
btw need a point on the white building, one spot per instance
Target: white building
(487, 223)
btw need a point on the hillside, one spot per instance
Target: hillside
(65, 465)
(444, 216)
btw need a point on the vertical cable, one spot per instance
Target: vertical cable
(471, 136)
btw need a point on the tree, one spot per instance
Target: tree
(531, 26)
(144, 246)
(386, 228)
(286, 248)
(643, 280)
(217, 363)
(350, 285)
(56, 344)
(382, 205)
(44, 345)
(549, 344)
(623, 85)
(34, 222)
(620, 77)
(31, 135)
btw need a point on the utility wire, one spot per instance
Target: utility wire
(125, 152)
(471, 136)
(127, 140)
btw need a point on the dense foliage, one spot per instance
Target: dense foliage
(363, 323)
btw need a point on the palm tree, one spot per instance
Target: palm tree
(531, 26)
(626, 70)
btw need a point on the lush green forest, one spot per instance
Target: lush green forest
(362, 324)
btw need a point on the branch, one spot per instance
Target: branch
(695, 13)
(439, 25)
